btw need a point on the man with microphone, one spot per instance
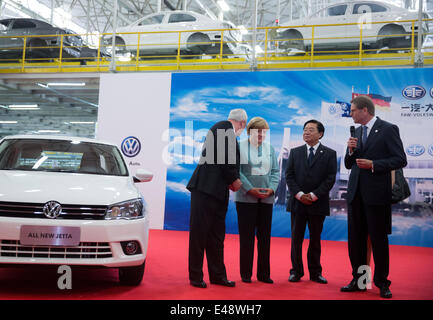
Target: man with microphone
(373, 151)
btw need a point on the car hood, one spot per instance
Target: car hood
(66, 188)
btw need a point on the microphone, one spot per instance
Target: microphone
(352, 134)
(352, 131)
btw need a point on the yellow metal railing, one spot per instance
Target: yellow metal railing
(135, 55)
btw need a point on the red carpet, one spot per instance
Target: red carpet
(166, 276)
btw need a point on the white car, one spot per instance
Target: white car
(158, 34)
(377, 33)
(71, 201)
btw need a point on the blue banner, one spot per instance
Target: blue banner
(287, 99)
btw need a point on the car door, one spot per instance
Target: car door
(327, 36)
(6, 42)
(366, 13)
(147, 30)
(178, 22)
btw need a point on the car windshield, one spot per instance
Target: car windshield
(61, 156)
(152, 20)
(181, 17)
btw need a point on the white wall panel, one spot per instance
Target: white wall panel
(138, 104)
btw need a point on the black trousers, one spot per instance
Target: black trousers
(207, 233)
(254, 220)
(299, 221)
(364, 220)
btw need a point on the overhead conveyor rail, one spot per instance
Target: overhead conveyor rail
(277, 48)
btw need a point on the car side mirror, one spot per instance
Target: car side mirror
(143, 176)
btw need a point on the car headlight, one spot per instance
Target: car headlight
(131, 209)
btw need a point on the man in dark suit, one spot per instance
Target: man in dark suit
(216, 173)
(371, 155)
(310, 176)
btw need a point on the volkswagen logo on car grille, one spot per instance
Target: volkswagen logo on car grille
(52, 209)
(413, 92)
(131, 146)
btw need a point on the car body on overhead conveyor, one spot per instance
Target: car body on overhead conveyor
(40, 40)
(338, 27)
(166, 32)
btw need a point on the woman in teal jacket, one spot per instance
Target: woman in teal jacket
(259, 174)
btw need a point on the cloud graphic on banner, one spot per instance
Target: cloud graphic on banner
(295, 105)
(182, 149)
(267, 93)
(195, 104)
(189, 108)
(178, 186)
(300, 120)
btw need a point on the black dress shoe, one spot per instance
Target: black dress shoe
(198, 284)
(246, 280)
(265, 280)
(224, 282)
(385, 292)
(294, 278)
(319, 279)
(352, 287)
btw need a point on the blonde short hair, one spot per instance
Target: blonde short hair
(257, 123)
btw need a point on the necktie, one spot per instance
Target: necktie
(364, 135)
(311, 156)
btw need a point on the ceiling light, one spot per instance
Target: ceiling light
(223, 5)
(23, 107)
(8, 122)
(48, 131)
(66, 84)
(82, 122)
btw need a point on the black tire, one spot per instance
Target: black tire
(386, 38)
(198, 43)
(131, 276)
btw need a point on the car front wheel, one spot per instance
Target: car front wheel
(131, 276)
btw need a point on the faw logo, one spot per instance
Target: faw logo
(413, 92)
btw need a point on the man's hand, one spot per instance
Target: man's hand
(352, 143)
(236, 185)
(306, 199)
(364, 163)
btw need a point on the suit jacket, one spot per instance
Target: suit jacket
(219, 162)
(385, 148)
(318, 178)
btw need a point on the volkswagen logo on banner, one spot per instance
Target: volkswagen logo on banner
(413, 92)
(430, 149)
(332, 109)
(415, 150)
(131, 146)
(52, 209)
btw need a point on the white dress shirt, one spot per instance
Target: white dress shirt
(300, 193)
